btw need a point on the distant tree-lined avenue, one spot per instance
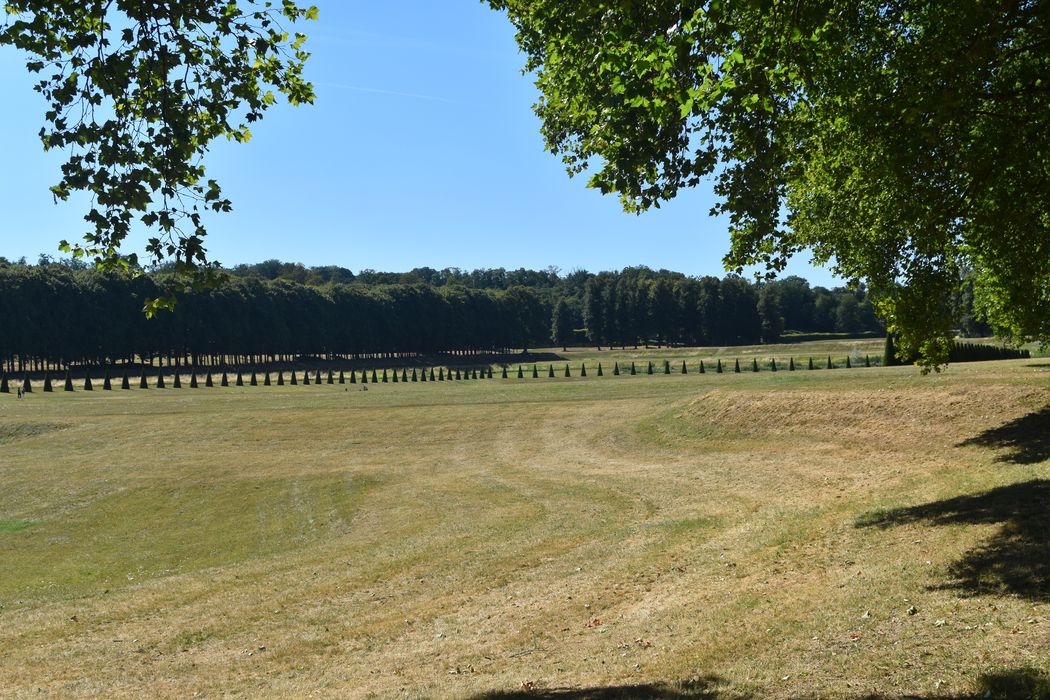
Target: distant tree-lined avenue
(62, 314)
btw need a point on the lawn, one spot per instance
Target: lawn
(847, 533)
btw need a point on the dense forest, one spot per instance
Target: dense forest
(56, 314)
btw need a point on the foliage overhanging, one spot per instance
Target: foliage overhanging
(902, 142)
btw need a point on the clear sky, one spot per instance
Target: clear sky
(421, 150)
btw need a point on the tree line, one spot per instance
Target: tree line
(58, 314)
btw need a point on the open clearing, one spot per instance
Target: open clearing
(846, 533)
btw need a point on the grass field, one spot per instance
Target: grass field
(849, 533)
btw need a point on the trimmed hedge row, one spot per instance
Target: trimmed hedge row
(394, 376)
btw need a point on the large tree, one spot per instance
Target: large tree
(901, 142)
(137, 90)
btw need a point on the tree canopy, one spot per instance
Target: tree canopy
(136, 93)
(905, 143)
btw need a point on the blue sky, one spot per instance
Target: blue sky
(422, 149)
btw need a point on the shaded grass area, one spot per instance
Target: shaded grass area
(706, 688)
(1028, 683)
(1015, 560)
(1023, 440)
(1025, 683)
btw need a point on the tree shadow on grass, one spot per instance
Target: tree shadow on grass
(1027, 438)
(1016, 560)
(705, 688)
(1027, 683)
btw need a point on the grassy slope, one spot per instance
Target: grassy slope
(757, 532)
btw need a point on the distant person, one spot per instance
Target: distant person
(19, 392)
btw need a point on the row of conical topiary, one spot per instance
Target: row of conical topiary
(393, 376)
(223, 379)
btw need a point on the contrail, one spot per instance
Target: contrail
(358, 88)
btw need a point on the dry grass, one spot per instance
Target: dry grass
(673, 536)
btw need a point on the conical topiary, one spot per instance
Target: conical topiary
(176, 381)
(317, 377)
(773, 364)
(583, 370)
(396, 380)
(280, 377)
(88, 386)
(106, 384)
(143, 384)
(701, 369)
(567, 372)
(415, 377)
(364, 376)
(504, 372)
(342, 377)
(649, 367)
(431, 374)
(331, 378)
(830, 365)
(240, 379)
(535, 372)
(125, 381)
(293, 380)
(208, 380)
(458, 376)
(667, 366)
(266, 378)
(353, 377)
(5, 387)
(47, 383)
(600, 373)
(423, 375)
(633, 371)
(889, 353)
(253, 380)
(69, 381)
(736, 365)
(441, 374)
(160, 380)
(521, 375)
(474, 373)
(684, 369)
(616, 369)
(811, 363)
(490, 371)
(719, 369)
(791, 364)
(193, 379)
(224, 380)
(27, 386)
(867, 361)
(375, 377)
(848, 365)
(754, 364)
(404, 375)
(306, 378)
